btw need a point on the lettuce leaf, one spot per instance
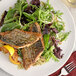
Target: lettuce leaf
(10, 15)
(10, 26)
(62, 36)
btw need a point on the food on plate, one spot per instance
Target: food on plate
(32, 31)
(14, 59)
(19, 38)
(4, 50)
(32, 53)
(10, 49)
(35, 27)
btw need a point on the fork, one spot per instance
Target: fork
(68, 68)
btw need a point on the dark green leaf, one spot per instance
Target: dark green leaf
(58, 13)
(20, 53)
(58, 25)
(29, 16)
(10, 26)
(54, 57)
(25, 28)
(10, 20)
(62, 36)
(9, 15)
(46, 40)
(19, 6)
(49, 54)
(24, 7)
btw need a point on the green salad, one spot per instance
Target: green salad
(25, 13)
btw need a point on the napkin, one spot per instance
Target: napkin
(73, 73)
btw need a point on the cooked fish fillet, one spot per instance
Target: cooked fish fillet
(32, 53)
(36, 28)
(19, 38)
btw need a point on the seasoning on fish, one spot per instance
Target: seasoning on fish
(36, 28)
(19, 38)
(32, 53)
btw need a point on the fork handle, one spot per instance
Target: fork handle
(60, 75)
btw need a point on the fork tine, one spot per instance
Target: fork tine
(68, 64)
(72, 68)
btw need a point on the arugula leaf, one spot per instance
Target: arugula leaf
(29, 16)
(62, 36)
(58, 13)
(48, 51)
(44, 16)
(47, 6)
(54, 57)
(24, 7)
(9, 15)
(49, 54)
(46, 40)
(10, 26)
(23, 1)
(19, 6)
(10, 20)
(25, 28)
(58, 25)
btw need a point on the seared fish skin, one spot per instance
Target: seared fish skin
(36, 28)
(32, 53)
(19, 38)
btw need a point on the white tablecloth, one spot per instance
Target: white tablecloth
(73, 11)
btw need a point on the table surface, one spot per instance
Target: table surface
(73, 11)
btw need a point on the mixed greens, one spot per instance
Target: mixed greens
(52, 26)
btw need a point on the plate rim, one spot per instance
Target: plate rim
(69, 53)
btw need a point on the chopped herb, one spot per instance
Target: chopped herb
(20, 53)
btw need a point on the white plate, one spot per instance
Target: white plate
(51, 66)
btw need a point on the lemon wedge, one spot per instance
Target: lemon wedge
(10, 49)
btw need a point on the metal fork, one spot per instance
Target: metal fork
(68, 68)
